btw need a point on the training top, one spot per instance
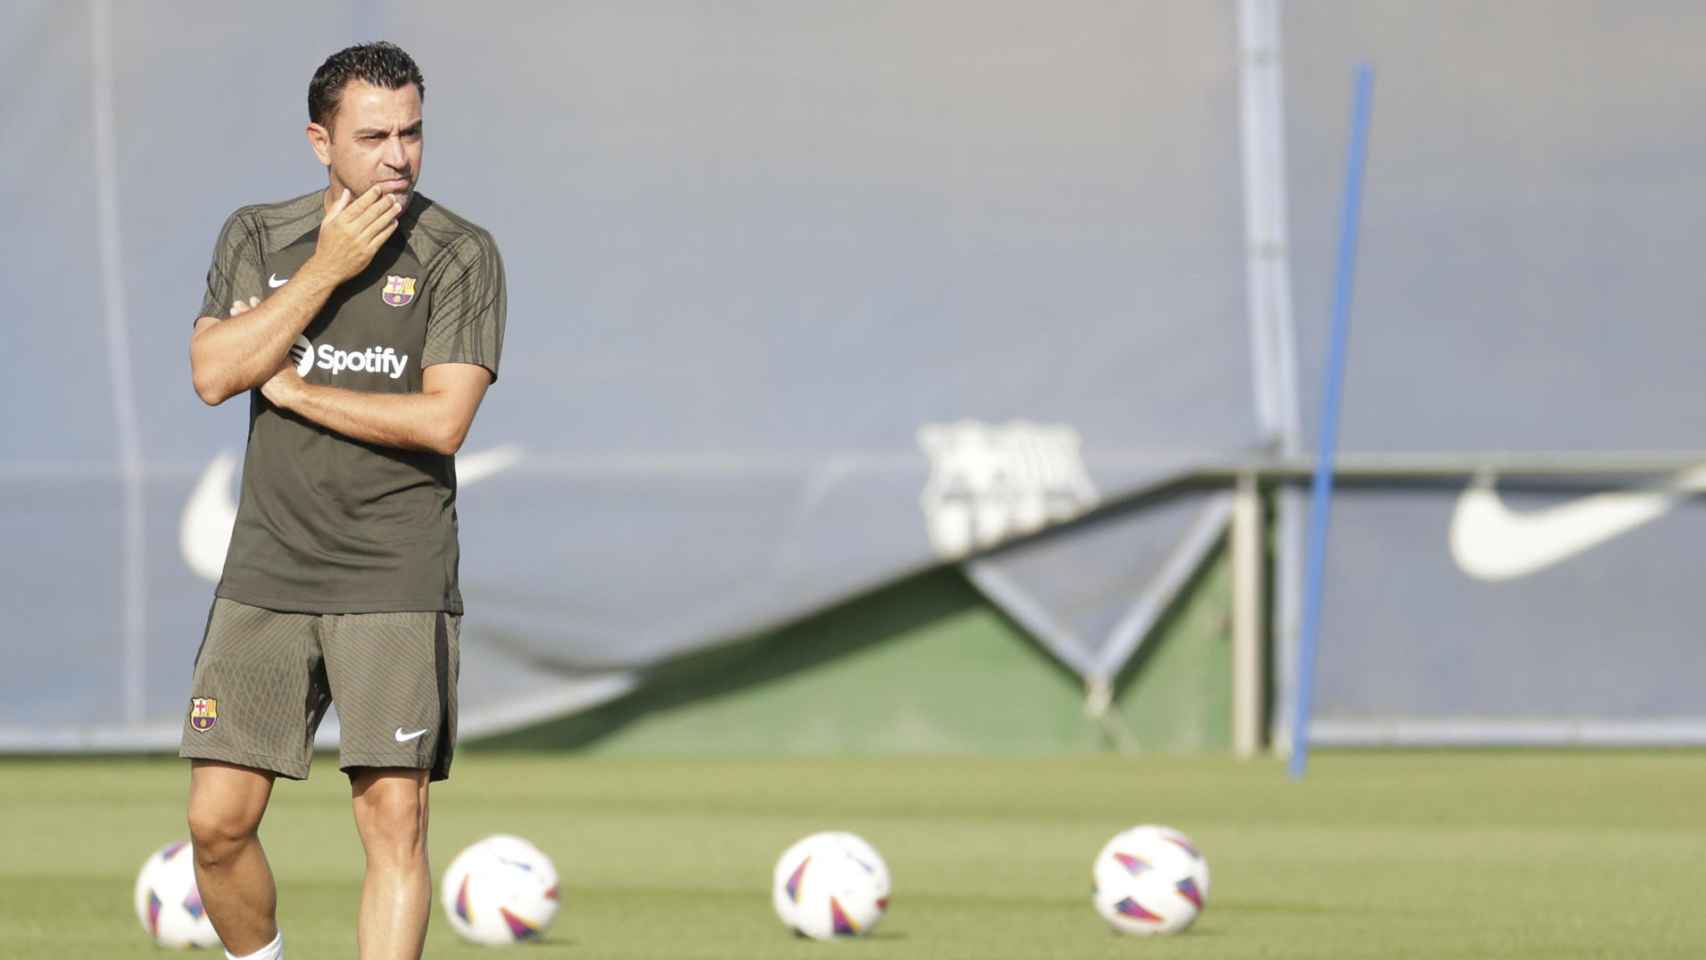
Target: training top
(325, 523)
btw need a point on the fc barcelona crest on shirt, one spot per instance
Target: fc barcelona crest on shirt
(399, 290)
(204, 712)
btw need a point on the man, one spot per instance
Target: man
(365, 322)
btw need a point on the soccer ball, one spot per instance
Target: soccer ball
(501, 890)
(831, 885)
(1150, 880)
(168, 903)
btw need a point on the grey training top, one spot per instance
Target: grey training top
(327, 524)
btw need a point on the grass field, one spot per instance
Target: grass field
(1543, 854)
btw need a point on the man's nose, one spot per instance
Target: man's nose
(393, 153)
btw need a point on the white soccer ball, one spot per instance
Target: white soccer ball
(168, 903)
(831, 885)
(1150, 880)
(501, 890)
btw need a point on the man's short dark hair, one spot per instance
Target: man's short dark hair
(381, 64)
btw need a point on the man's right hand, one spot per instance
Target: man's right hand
(230, 356)
(353, 232)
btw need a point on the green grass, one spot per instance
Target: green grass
(1546, 855)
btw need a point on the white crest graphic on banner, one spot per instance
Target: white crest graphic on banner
(990, 483)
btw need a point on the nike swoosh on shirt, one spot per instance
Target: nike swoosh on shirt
(1490, 541)
(406, 737)
(274, 282)
(210, 513)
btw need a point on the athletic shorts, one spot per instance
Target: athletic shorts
(263, 680)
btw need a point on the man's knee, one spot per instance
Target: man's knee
(225, 809)
(219, 829)
(391, 813)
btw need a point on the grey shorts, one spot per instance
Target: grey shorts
(263, 680)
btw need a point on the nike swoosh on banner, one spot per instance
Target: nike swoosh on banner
(210, 513)
(1489, 541)
(204, 529)
(471, 468)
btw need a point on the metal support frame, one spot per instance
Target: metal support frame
(1249, 609)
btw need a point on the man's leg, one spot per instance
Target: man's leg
(396, 895)
(393, 676)
(256, 697)
(231, 871)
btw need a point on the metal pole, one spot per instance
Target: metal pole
(1248, 579)
(1321, 493)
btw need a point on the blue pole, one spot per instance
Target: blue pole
(1321, 490)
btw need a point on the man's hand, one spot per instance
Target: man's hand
(353, 232)
(238, 308)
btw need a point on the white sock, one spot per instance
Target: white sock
(272, 951)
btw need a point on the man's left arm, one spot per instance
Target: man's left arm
(436, 419)
(464, 339)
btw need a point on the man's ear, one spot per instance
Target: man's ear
(321, 140)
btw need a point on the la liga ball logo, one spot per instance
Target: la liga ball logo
(204, 713)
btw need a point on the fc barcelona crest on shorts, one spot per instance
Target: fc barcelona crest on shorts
(204, 712)
(399, 290)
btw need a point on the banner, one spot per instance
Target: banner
(802, 299)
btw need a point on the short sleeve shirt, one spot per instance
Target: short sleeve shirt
(326, 523)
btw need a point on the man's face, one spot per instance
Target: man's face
(374, 138)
